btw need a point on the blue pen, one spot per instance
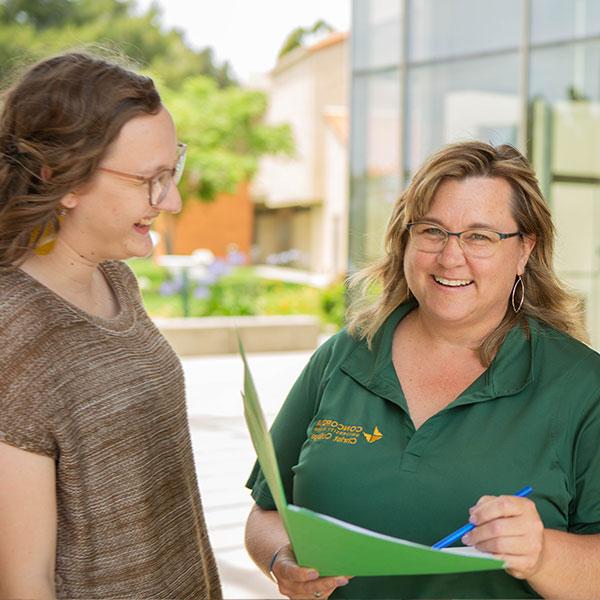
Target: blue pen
(456, 535)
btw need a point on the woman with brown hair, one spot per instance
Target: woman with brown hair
(98, 492)
(464, 354)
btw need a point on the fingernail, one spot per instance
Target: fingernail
(341, 581)
(473, 519)
(313, 575)
(466, 539)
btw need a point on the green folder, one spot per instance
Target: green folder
(335, 547)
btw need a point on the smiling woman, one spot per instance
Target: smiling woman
(484, 188)
(98, 493)
(469, 368)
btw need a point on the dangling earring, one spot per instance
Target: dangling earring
(47, 238)
(518, 281)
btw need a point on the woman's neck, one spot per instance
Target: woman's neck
(450, 336)
(62, 268)
(75, 279)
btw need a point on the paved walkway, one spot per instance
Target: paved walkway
(224, 454)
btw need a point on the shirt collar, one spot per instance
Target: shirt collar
(511, 370)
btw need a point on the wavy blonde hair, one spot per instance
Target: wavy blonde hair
(546, 298)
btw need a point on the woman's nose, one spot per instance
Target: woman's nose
(172, 201)
(452, 253)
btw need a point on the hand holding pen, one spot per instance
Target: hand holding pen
(462, 531)
(509, 527)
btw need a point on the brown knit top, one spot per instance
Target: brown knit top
(106, 399)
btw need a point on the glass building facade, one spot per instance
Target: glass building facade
(526, 72)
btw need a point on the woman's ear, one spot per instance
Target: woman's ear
(527, 245)
(70, 201)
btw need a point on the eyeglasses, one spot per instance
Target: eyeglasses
(159, 184)
(477, 243)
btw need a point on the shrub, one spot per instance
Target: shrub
(236, 291)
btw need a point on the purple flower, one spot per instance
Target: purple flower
(235, 257)
(207, 278)
(219, 268)
(170, 287)
(201, 292)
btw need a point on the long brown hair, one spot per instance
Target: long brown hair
(56, 125)
(546, 298)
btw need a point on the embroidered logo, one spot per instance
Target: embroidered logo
(373, 437)
(330, 430)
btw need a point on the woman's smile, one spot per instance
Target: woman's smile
(452, 283)
(143, 226)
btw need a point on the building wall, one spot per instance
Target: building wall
(284, 229)
(334, 225)
(308, 193)
(219, 226)
(283, 181)
(302, 86)
(332, 73)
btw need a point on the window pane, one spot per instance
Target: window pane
(564, 19)
(442, 28)
(565, 151)
(566, 73)
(470, 99)
(376, 33)
(374, 162)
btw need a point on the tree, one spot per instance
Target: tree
(31, 29)
(299, 36)
(46, 14)
(225, 133)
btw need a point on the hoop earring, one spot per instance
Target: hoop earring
(514, 293)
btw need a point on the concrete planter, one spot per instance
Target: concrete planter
(195, 336)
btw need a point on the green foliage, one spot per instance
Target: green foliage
(148, 273)
(297, 37)
(46, 14)
(225, 134)
(31, 29)
(333, 304)
(242, 292)
(234, 294)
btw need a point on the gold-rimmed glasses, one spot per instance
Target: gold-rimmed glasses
(476, 242)
(158, 184)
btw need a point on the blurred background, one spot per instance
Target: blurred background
(304, 120)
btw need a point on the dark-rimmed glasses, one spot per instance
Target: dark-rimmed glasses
(158, 184)
(478, 243)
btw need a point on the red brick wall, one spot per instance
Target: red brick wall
(214, 225)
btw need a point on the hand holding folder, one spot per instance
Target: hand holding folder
(335, 547)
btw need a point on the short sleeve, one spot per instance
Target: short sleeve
(290, 427)
(585, 509)
(26, 407)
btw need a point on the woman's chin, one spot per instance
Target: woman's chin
(138, 250)
(450, 314)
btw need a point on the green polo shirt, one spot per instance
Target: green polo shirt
(532, 418)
